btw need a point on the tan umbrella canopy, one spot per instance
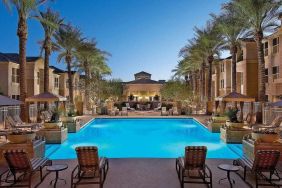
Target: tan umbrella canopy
(234, 97)
(6, 101)
(46, 97)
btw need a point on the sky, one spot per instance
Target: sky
(140, 35)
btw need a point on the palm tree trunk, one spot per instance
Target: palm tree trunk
(203, 81)
(22, 34)
(68, 61)
(210, 60)
(234, 71)
(87, 85)
(261, 67)
(46, 64)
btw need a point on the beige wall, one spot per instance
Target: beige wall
(143, 91)
(247, 70)
(274, 85)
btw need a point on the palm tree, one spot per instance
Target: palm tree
(210, 43)
(50, 22)
(67, 38)
(24, 10)
(232, 27)
(261, 16)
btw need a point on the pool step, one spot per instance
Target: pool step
(50, 149)
(236, 148)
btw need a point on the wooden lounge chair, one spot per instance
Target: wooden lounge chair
(15, 125)
(164, 111)
(124, 111)
(265, 162)
(21, 166)
(19, 121)
(192, 168)
(90, 167)
(274, 124)
(175, 111)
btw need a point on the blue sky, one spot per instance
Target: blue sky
(141, 35)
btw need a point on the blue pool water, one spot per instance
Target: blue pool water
(143, 138)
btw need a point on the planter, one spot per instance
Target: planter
(56, 125)
(20, 138)
(219, 119)
(233, 125)
(265, 137)
(69, 118)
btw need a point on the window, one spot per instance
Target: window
(265, 48)
(275, 72)
(266, 75)
(240, 56)
(222, 83)
(15, 75)
(222, 67)
(38, 78)
(275, 45)
(56, 82)
(17, 97)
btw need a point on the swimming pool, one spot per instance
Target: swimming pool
(143, 138)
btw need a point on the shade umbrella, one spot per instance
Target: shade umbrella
(46, 97)
(278, 104)
(6, 101)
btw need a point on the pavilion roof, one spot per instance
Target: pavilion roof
(45, 97)
(6, 101)
(235, 97)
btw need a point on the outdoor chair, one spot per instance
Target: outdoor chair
(15, 125)
(148, 107)
(192, 168)
(124, 111)
(159, 107)
(175, 111)
(128, 107)
(138, 107)
(263, 167)
(164, 112)
(19, 121)
(21, 167)
(91, 169)
(275, 124)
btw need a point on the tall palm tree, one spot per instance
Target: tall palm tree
(67, 38)
(232, 27)
(261, 17)
(50, 22)
(24, 10)
(210, 43)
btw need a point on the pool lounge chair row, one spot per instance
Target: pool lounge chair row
(21, 169)
(15, 122)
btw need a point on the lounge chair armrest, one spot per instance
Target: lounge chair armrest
(73, 171)
(209, 170)
(180, 161)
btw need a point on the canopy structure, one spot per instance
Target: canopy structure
(46, 97)
(234, 97)
(6, 101)
(277, 104)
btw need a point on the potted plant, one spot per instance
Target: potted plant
(70, 116)
(265, 135)
(19, 136)
(233, 121)
(55, 122)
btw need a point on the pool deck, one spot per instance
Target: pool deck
(146, 173)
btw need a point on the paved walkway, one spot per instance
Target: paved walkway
(146, 173)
